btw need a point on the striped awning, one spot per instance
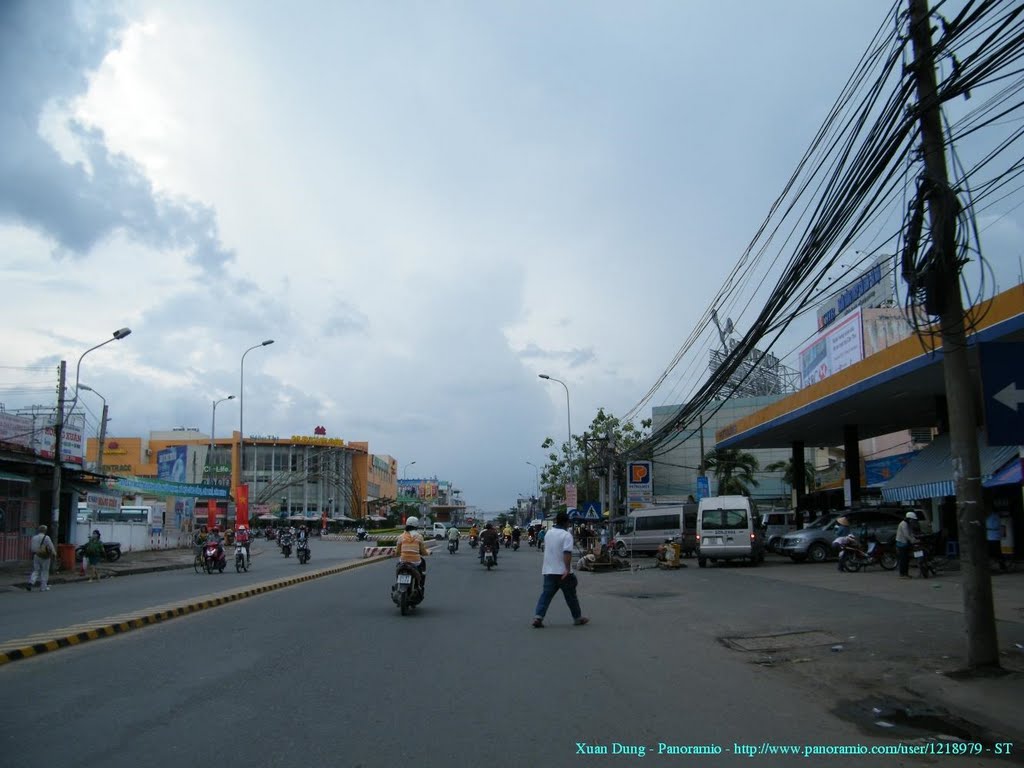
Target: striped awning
(1008, 475)
(930, 475)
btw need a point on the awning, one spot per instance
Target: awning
(14, 478)
(930, 475)
(1008, 475)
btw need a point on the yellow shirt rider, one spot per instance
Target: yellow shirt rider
(410, 547)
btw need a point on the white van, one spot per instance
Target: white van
(644, 530)
(727, 529)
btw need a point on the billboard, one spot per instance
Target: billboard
(839, 346)
(874, 287)
(639, 484)
(171, 463)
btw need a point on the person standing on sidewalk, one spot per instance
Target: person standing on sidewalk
(557, 573)
(42, 553)
(905, 540)
(93, 552)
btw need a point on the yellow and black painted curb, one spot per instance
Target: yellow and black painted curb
(54, 640)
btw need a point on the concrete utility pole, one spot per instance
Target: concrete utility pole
(58, 428)
(982, 644)
(102, 440)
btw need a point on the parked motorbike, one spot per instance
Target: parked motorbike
(302, 552)
(407, 591)
(111, 551)
(489, 559)
(286, 545)
(854, 557)
(214, 558)
(241, 563)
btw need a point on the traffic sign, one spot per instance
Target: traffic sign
(591, 510)
(1002, 382)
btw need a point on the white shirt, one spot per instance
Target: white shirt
(557, 542)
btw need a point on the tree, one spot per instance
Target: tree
(590, 455)
(786, 467)
(733, 469)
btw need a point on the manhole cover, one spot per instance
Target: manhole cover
(783, 641)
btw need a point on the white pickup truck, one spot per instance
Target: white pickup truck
(435, 531)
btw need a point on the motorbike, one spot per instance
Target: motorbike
(453, 544)
(472, 542)
(361, 536)
(214, 558)
(854, 557)
(407, 591)
(111, 551)
(507, 541)
(489, 559)
(271, 534)
(302, 551)
(515, 544)
(286, 545)
(241, 562)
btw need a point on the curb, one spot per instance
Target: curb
(24, 648)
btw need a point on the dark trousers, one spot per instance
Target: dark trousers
(552, 583)
(903, 556)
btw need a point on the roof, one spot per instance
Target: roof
(900, 387)
(929, 474)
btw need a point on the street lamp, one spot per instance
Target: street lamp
(568, 414)
(536, 471)
(58, 428)
(241, 411)
(213, 424)
(407, 469)
(102, 436)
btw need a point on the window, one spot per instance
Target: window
(657, 522)
(724, 519)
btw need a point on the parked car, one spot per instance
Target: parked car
(814, 542)
(775, 525)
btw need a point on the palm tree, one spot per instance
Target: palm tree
(733, 469)
(786, 467)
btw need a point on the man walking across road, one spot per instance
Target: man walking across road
(557, 573)
(42, 554)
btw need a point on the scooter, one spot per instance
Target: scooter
(286, 545)
(489, 559)
(407, 591)
(453, 544)
(214, 558)
(472, 542)
(361, 536)
(241, 564)
(515, 544)
(854, 558)
(302, 551)
(111, 551)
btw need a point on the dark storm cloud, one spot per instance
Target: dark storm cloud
(46, 53)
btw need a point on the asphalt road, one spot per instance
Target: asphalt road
(328, 673)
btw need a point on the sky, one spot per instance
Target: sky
(424, 205)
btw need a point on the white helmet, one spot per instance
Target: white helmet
(412, 522)
(911, 516)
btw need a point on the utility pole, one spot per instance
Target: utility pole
(979, 614)
(103, 438)
(58, 428)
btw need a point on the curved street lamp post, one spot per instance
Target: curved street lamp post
(102, 436)
(58, 428)
(568, 417)
(241, 411)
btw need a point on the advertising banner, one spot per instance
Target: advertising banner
(41, 438)
(570, 496)
(879, 470)
(171, 463)
(639, 484)
(167, 488)
(17, 430)
(839, 346)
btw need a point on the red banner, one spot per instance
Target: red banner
(242, 505)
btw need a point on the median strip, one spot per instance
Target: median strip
(53, 640)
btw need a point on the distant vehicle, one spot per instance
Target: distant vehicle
(436, 531)
(645, 530)
(774, 527)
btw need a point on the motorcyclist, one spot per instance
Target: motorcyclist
(360, 533)
(474, 534)
(214, 537)
(506, 532)
(489, 538)
(453, 535)
(242, 538)
(410, 548)
(517, 534)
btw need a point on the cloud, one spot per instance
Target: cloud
(573, 358)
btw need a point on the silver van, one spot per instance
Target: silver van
(644, 530)
(775, 524)
(727, 529)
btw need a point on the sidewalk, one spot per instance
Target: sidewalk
(14, 574)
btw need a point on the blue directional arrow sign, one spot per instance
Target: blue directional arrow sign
(1002, 382)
